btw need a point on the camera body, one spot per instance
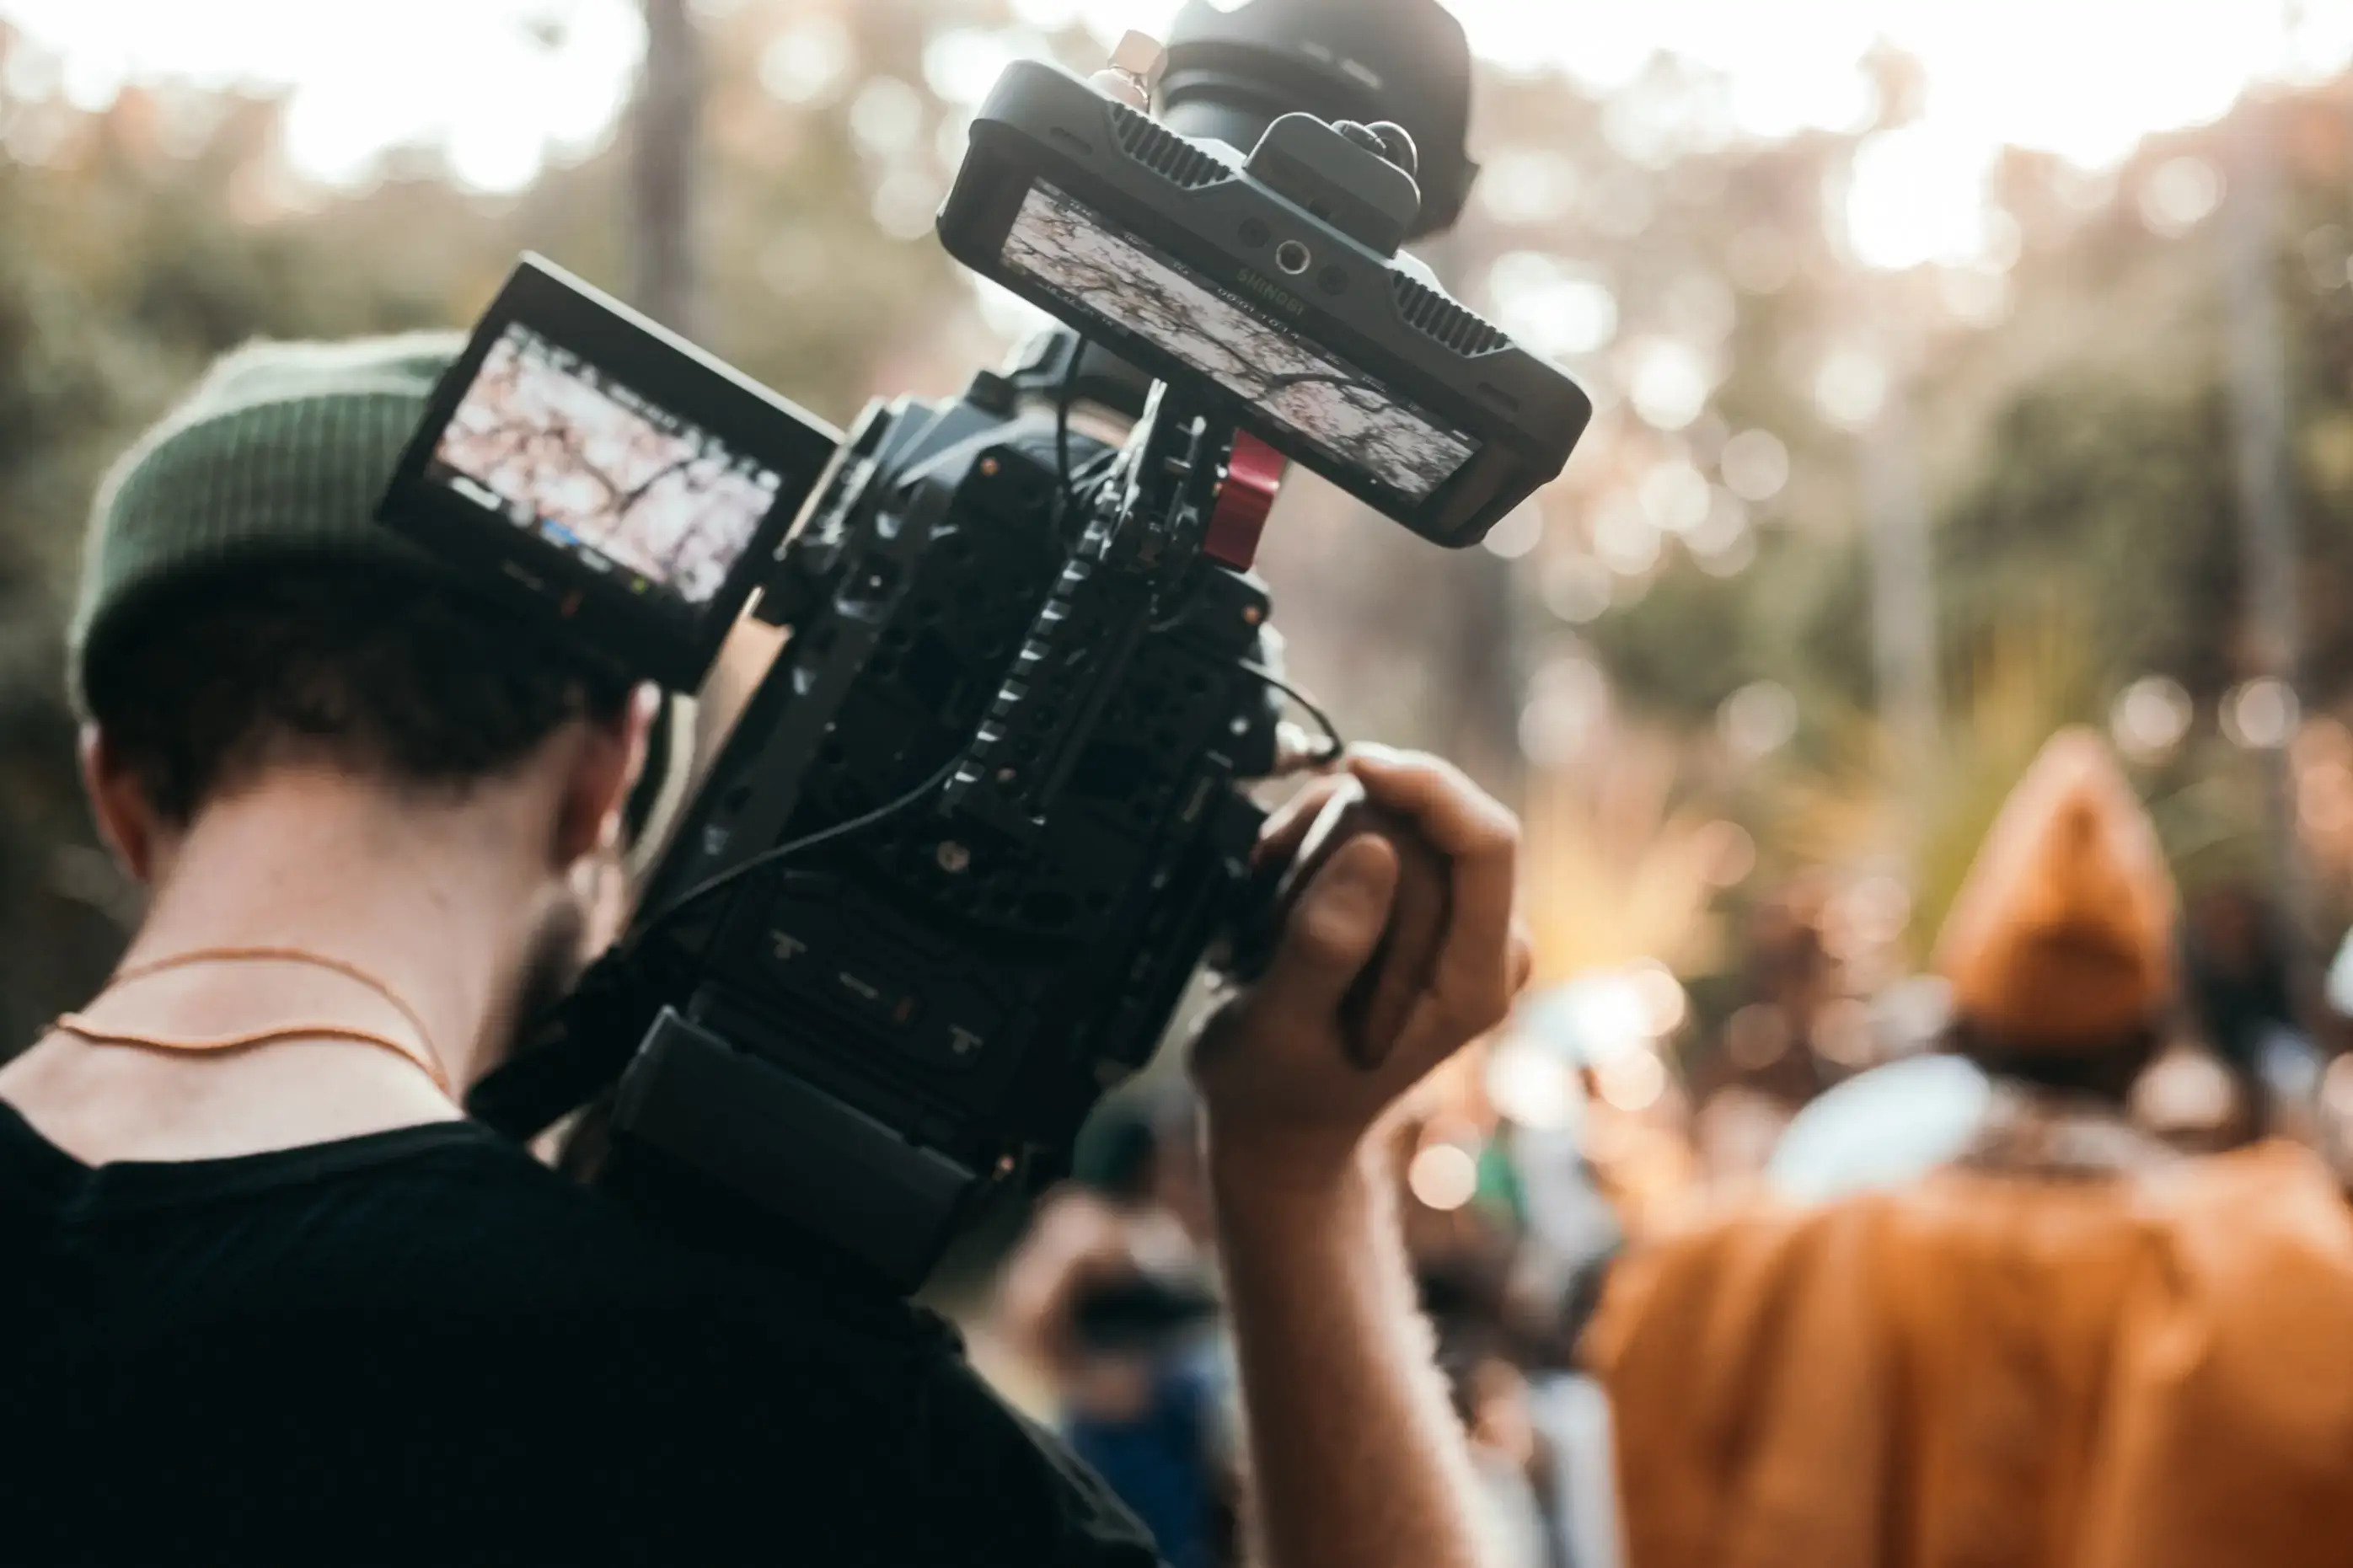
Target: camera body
(963, 979)
(985, 816)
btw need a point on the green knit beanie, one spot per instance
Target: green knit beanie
(283, 449)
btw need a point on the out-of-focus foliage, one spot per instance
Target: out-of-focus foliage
(137, 243)
(2071, 437)
(1699, 568)
(1867, 800)
(1631, 865)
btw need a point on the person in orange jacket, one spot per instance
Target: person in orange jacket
(2068, 1346)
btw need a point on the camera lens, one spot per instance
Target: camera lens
(1293, 258)
(1254, 233)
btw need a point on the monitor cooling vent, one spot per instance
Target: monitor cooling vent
(1164, 152)
(1434, 315)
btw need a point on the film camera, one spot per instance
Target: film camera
(981, 821)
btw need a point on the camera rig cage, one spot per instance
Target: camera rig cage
(979, 823)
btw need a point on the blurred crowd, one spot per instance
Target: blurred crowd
(1623, 1142)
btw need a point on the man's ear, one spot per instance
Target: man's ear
(604, 771)
(125, 820)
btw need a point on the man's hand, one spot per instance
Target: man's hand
(1281, 1090)
(1356, 1457)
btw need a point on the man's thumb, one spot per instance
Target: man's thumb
(1336, 924)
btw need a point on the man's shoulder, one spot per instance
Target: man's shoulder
(467, 1230)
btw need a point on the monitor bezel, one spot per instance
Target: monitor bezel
(656, 635)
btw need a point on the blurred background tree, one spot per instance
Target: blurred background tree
(1667, 656)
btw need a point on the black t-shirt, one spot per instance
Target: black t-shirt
(421, 1346)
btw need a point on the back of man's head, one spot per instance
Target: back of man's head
(240, 608)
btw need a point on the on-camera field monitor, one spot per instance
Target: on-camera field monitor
(603, 472)
(1273, 277)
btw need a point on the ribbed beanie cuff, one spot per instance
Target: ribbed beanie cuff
(284, 449)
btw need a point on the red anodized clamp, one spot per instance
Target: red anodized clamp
(1254, 475)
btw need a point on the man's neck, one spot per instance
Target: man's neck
(433, 899)
(428, 896)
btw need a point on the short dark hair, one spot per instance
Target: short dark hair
(399, 674)
(2103, 1069)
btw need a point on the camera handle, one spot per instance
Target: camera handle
(1145, 529)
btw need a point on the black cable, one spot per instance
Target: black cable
(1063, 401)
(1337, 744)
(802, 846)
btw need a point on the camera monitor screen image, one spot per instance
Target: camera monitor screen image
(1073, 251)
(544, 439)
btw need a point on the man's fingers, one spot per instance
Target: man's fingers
(1455, 815)
(1280, 839)
(1333, 930)
(1440, 1028)
(1483, 841)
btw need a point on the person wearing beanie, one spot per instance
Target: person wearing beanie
(2059, 950)
(272, 1297)
(2063, 1346)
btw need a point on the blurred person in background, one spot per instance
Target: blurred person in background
(2243, 999)
(2189, 1100)
(1767, 1065)
(1569, 1231)
(1111, 1293)
(1464, 1254)
(273, 1298)
(2066, 1346)
(1492, 1398)
(1768, 1057)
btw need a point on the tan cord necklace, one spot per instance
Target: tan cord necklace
(419, 1052)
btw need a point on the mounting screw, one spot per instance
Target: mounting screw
(955, 859)
(1136, 64)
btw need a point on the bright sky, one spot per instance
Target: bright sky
(2085, 79)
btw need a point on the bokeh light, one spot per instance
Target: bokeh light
(1555, 308)
(2179, 194)
(1721, 540)
(1567, 701)
(1676, 496)
(1631, 1081)
(1758, 719)
(1730, 853)
(497, 84)
(1755, 465)
(2150, 718)
(478, 76)
(1576, 588)
(1443, 1176)
(1624, 537)
(1851, 388)
(1534, 1086)
(886, 116)
(1663, 996)
(1918, 195)
(808, 61)
(1669, 383)
(2260, 715)
(1843, 1034)
(1520, 532)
